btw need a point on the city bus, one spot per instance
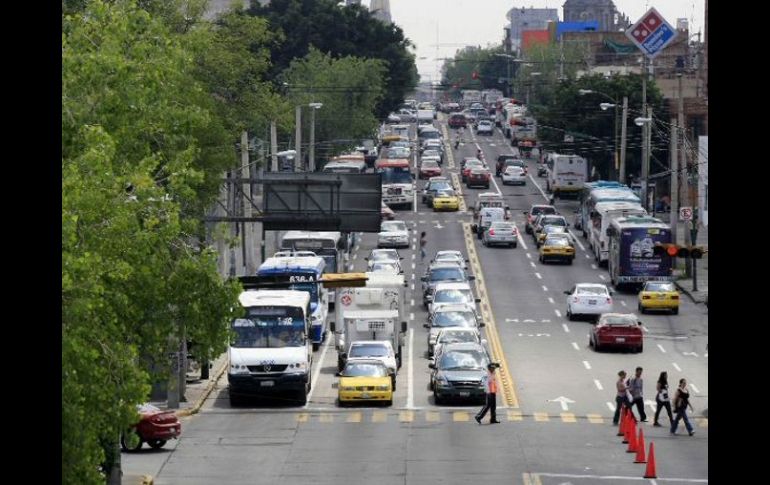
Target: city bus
(566, 174)
(632, 258)
(333, 247)
(601, 216)
(397, 181)
(301, 273)
(600, 191)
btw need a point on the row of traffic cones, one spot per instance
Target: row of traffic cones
(627, 429)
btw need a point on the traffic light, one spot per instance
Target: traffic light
(675, 251)
(475, 75)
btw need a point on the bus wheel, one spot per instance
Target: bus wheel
(315, 346)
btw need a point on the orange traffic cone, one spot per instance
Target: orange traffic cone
(650, 472)
(631, 439)
(627, 423)
(640, 448)
(622, 424)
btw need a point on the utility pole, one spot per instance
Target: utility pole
(274, 146)
(311, 161)
(298, 136)
(623, 127)
(645, 128)
(248, 254)
(674, 214)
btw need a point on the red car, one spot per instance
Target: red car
(617, 330)
(478, 177)
(473, 164)
(457, 120)
(429, 168)
(155, 428)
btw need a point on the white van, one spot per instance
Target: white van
(487, 216)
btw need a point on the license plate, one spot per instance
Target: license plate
(267, 383)
(661, 297)
(365, 395)
(620, 339)
(592, 302)
(465, 394)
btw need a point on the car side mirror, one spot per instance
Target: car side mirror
(432, 365)
(367, 259)
(338, 374)
(482, 324)
(478, 300)
(471, 278)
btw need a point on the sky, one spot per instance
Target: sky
(480, 22)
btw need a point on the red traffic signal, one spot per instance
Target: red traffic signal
(475, 75)
(674, 251)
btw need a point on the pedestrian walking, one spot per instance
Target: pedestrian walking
(681, 402)
(635, 386)
(621, 398)
(490, 404)
(423, 243)
(662, 399)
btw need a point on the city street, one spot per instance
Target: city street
(557, 397)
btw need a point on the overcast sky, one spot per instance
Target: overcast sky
(480, 22)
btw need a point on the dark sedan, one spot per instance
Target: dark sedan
(459, 372)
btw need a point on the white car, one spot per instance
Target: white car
(392, 267)
(452, 294)
(588, 299)
(382, 256)
(514, 175)
(380, 350)
(393, 234)
(451, 256)
(485, 127)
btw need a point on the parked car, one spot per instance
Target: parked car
(617, 330)
(501, 233)
(155, 427)
(659, 295)
(588, 299)
(364, 380)
(458, 373)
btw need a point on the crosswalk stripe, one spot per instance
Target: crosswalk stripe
(460, 416)
(514, 416)
(354, 418)
(595, 418)
(302, 417)
(326, 418)
(568, 418)
(379, 417)
(406, 416)
(431, 416)
(541, 417)
(703, 422)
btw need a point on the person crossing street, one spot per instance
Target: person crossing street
(490, 404)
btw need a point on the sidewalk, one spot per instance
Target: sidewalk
(702, 270)
(197, 389)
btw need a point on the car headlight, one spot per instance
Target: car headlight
(299, 366)
(238, 369)
(383, 388)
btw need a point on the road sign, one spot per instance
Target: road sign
(685, 214)
(651, 33)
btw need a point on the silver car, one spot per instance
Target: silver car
(393, 234)
(501, 233)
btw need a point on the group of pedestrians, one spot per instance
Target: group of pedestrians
(630, 394)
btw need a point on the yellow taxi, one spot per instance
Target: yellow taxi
(548, 230)
(659, 295)
(365, 380)
(446, 200)
(557, 248)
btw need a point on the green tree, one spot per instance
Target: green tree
(478, 68)
(339, 32)
(348, 112)
(135, 126)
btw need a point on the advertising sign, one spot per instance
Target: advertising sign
(651, 33)
(637, 261)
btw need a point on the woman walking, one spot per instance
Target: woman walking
(423, 243)
(681, 402)
(662, 399)
(621, 398)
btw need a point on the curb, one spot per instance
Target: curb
(688, 293)
(199, 403)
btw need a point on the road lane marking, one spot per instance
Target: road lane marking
(317, 373)
(412, 301)
(410, 372)
(521, 241)
(587, 366)
(545, 288)
(593, 266)
(598, 478)
(303, 417)
(564, 326)
(529, 255)
(602, 277)
(354, 417)
(414, 247)
(661, 348)
(411, 316)
(595, 418)
(598, 384)
(432, 416)
(611, 405)
(538, 276)
(414, 256)
(694, 388)
(379, 417)
(414, 265)
(458, 187)
(406, 416)
(550, 300)
(558, 314)
(514, 415)
(532, 264)
(412, 286)
(460, 416)
(568, 417)
(326, 418)
(623, 303)
(678, 369)
(541, 417)
(575, 345)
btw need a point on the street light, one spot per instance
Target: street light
(644, 122)
(311, 161)
(620, 161)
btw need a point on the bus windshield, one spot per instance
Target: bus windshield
(311, 288)
(269, 331)
(395, 175)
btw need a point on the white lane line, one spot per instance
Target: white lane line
(647, 330)
(412, 275)
(413, 286)
(414, 256)
(577, 240)
(588, 256)
(602, 277)
(558, 314)
(587, 366)
(593, 266)
(563, 325)
(694, 388)
(661, 348)
(550, 300)
(575, 345)
(623, 303)
(599, 478)
(538, 276)
(314, 382)
(538, 186)
(414, 265)
(521, 240)
(611, 405)
(411, 316)
(412, 301)
(410, 371)
(414, 200)
(414, 247)
(598, 384)
(529, 256)
(678, 369)
(545, 288)
(533, 264)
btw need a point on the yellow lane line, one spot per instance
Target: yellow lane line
(504, 374)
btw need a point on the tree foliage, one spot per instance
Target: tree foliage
(135, 126)
(339, 32)
(478, 68)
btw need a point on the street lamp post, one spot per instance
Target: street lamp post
(645, 123)
(311, 161)
(619, 161)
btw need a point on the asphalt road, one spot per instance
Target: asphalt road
(558, 395)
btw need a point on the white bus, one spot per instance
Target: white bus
(566, 174)
(596, 192)
(602, 215)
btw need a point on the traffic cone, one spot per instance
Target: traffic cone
(631, 439)
(622, 424)
(650, 472)
(640, 448)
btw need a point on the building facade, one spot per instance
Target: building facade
(523, 19)
(602, 11)
(380, 9)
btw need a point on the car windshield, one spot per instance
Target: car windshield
(429, 164)
(393, 226)
(536, 211)
(514, 169)
(459, 336)
(266, 331)
(463, 360)
(453, 319)
(436, 186)
(553, 221)
(448, 256)
(591, 290)
(656, 286)
(554, 229)
(387, 267)
(388, 255)
(557, 242)
(447, 274)
(395, 175)
(473, 163)
(368, 350)
(361, 369)
(453, 296)
(431, 153)
(502, 226)
(618, 320)
(445, 193)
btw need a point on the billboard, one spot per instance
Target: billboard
(534, 37)
(636, 259)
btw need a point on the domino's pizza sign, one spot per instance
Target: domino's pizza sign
(651, 33)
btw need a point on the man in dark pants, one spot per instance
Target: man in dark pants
(490, 388)
(635, 386)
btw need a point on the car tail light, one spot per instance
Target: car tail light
(645, 297)
(674, 297)
(491, 232)
(609, 301)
